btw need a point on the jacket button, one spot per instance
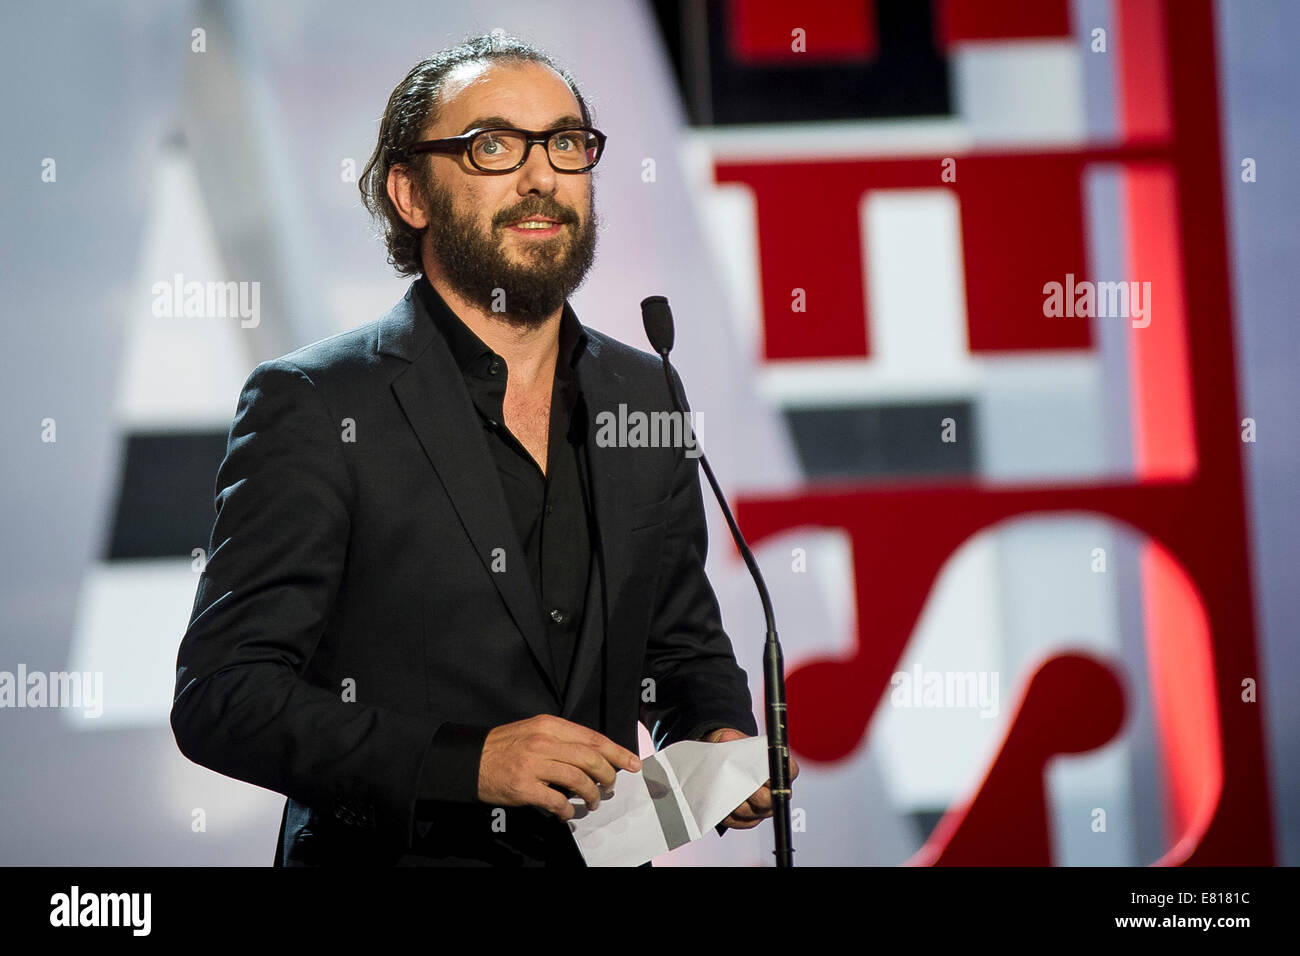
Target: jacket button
(557, 616)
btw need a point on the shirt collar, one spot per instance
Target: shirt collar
(472, 355)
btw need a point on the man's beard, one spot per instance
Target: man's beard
(477, 266)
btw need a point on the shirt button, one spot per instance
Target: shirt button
(557, 616)
(494, 368)
(491, 423)
(549, 509)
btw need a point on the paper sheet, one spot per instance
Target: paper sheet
(679, 793)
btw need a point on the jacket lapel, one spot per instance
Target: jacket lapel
(611, 475)
(432, 395)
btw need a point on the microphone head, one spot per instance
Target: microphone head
(658, 321)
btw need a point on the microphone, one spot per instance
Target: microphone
(658, 321)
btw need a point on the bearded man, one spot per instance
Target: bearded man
(435, 607)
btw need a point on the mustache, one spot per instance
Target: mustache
(561, 214)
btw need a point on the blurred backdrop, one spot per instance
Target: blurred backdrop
(986, 306)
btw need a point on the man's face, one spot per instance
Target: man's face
(473, 239)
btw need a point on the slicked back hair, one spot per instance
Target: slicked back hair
(412, 107)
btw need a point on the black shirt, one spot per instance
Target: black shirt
(549, 511)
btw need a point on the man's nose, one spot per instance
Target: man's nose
(536, 174)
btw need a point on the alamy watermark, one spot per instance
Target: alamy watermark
(75, 908)
(639, 429)
(1103, 300)
(208, 300)
(946, 689)
(57, 689)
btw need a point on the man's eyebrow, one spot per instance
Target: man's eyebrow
(484, 122)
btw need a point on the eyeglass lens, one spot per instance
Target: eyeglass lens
(570, 149)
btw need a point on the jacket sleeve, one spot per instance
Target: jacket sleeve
(698, 686)
(241, 706)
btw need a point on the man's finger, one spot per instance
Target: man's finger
(589, 761)
(761, 800)
(573, 779)
(744, 812)
(551, 800)
(620, 757)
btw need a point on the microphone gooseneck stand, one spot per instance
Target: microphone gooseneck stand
(658, 321)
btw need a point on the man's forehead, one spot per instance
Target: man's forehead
(524, 92)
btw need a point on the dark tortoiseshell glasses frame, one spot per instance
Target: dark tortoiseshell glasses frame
(464, 143)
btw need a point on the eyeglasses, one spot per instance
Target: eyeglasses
(503, 150)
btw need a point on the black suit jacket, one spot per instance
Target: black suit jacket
(366, 604)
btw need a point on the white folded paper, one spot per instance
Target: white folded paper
(679, 793)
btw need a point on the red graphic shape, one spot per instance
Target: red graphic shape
(960, 20)
(834, 31)
(1144, 79)
(1072, 704)
(1010, 246)
(1022, 226)
(1181, 668)
(1187, 496)
(1164, 446)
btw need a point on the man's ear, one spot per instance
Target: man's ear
(405, 196)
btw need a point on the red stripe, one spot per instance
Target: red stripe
(957, 21)
(762, 32)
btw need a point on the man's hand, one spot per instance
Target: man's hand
(759, 806)
(520, 761)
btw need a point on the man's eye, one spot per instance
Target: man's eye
(564, 142)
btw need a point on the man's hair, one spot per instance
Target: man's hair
(412, 106)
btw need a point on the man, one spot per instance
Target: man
(434, 605)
